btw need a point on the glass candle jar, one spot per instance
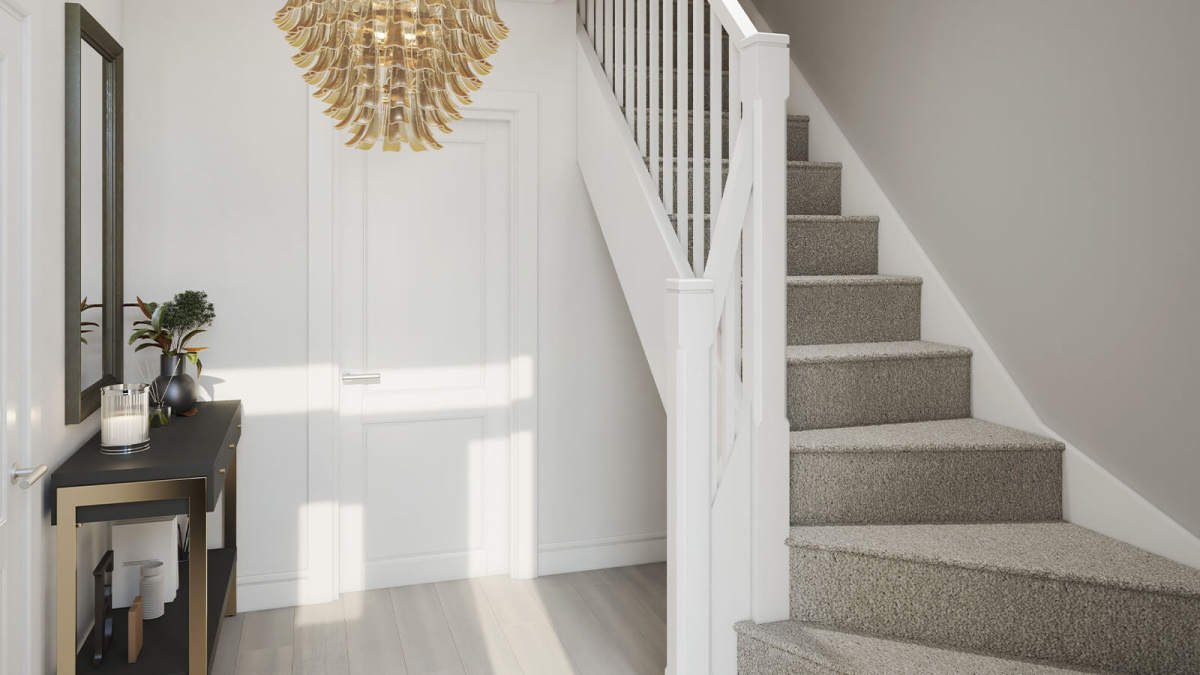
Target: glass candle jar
(124, 418)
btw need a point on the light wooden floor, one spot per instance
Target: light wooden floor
(608, 622)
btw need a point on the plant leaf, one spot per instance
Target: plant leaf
(193, 350)
(145, 345)
(89, 323)
(190, 335)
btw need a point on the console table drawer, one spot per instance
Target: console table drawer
(225, 458)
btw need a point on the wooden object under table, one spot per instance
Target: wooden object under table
(191, 462)
(135, 628)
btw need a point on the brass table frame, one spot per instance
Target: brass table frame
(195, 491)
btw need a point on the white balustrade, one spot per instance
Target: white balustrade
(693, 78)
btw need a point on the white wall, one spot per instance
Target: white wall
(215, 168)
(52, 440)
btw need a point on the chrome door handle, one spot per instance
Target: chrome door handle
(360, 378)
(23, 478)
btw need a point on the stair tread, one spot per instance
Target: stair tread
(971, 435)
(816, 218)
(791, 163)
(791, 119)
(1054, 550)
(852, 280)
(793, 218)
(872, 351)
(845, 652)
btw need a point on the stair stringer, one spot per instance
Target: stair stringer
(641, 241)
(1092, 497)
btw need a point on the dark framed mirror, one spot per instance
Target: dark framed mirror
(94, 229)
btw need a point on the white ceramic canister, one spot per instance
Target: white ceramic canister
(153, 602)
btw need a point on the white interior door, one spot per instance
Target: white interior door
(424, 302)
(14, 503)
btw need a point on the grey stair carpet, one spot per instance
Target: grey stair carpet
(846, 385)
(1052, 591)
(674, 84)
(821, 245)
(706, 37)
(950, 471)
(797, 136)
(814, 188)
(841, 309)
(797, 648)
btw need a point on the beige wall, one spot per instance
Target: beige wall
(1047, 157)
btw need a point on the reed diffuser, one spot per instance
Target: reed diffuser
(160, 412)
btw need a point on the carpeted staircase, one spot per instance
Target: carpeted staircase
(925, 541)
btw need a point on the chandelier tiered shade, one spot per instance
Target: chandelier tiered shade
(393, 70)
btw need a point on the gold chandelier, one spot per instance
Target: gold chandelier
(393, 70)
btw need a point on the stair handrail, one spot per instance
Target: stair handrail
(725, 396)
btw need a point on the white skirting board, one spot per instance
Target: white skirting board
(285, 589)
(1092, 497)
(601, 553)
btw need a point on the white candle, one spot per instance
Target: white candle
(120, 430)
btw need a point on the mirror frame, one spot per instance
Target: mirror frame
(82, 27)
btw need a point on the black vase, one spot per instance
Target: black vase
(175, 386)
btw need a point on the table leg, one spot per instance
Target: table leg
(230, 529)
(197, 584)
(65, 579)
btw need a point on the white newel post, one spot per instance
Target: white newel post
(764, 61)
(690, 335)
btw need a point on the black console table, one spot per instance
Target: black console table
(189, 464)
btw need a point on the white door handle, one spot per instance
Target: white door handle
(23, 478)
(360, 378)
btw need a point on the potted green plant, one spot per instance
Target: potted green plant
(170, 328)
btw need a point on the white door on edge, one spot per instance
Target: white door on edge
(15, 650)
(424, 302)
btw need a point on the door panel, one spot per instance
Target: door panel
(425, 256)
(424, 467)
(423, 291)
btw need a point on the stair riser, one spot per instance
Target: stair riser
(859, 488)
(840, 313)
(691, 57)
(755, 657)
(839, 247)
(811, 190)
(815, 190)
(1005, 614)
(674, 83)
(797, 138)
(823, 395)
